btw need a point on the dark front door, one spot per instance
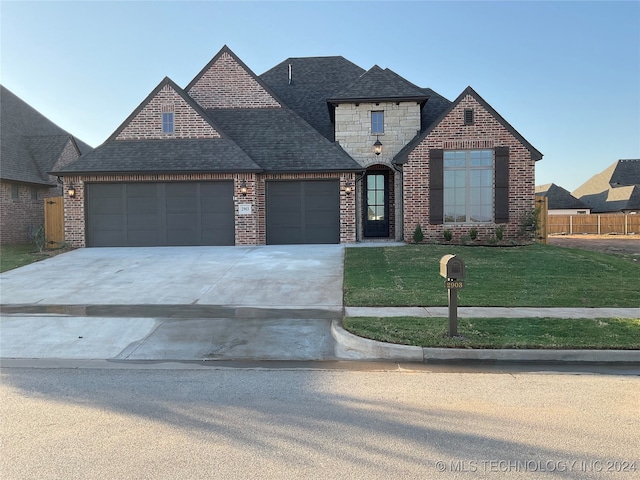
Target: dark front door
(376, 204)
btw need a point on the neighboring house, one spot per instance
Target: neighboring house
(560, 201)
(315, 150)
(615, 189)
(30, 147)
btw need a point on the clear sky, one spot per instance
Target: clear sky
(565, 74)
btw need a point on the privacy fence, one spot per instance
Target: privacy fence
(601, 224)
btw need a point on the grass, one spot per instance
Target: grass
(14, 256)
(525, 276)
(549, 333)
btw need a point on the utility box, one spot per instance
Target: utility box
(452, 267)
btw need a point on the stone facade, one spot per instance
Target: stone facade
(452, 134)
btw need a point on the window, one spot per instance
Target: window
(468, 116)
(34, 193)
(377, 123)
(14, 191)
(167, 122)
(468, 186)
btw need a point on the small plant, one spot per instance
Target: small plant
(500, 232)
(448, 235)
(529, 223)
(37, 236)
(418, 236)
(473, 233)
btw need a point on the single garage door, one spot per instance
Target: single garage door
(160, 214)
(303, 212)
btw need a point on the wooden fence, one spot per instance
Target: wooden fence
(54, 222)
(599, 224)
(542, 207)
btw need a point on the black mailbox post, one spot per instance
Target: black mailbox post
(452, 268)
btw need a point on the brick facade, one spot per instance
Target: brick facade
(451, 134)
(250, 229)
(147, 124)
(226, 84)
(19, 216)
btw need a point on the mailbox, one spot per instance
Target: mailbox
(452, 267)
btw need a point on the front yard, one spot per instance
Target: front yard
(526, 276)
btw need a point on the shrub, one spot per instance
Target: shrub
(529, 223)
(448, 235)
(473, 233)
(417, 234)
(37, 236)
(500, 232)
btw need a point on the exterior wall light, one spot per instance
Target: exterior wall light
(71, 191)
(347, 188)
(243, 188)
(377, 147)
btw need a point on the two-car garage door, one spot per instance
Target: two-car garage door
(157, 214)
(202, 213)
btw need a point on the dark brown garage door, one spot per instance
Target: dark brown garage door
(303, 212)
(157, 214)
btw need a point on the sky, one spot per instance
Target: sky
(565, 74)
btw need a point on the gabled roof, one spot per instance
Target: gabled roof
(279, 140)
(379, 85)
(30, 143)
(436, 104)
(217, 155)
(402, 156)
(559, 198)
(304, 84)
(234, 94)
(614, 189)
(166, 81)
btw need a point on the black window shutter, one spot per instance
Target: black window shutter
(502, 185)
(436, 186)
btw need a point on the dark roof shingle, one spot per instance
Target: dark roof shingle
(278, 140)
(379, 84)
(559, 198)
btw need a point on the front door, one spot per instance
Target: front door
(376, 204)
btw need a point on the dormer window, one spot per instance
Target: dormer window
(377, 122)
(167, 122)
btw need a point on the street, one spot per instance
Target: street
(218, 421)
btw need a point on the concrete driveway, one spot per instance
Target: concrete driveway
(178, 303)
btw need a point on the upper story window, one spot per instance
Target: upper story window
(15, 193)
(377, 122)
(167, 122)
(468, 186)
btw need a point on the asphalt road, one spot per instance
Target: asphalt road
(196, 422)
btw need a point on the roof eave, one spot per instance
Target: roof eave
(337, 101)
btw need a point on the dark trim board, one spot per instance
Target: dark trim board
(160, 214)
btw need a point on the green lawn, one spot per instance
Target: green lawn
(552, 333)
(525, 276)
(14, 256)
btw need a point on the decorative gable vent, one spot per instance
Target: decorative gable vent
(468, 116)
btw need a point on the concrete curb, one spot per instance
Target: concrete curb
(352, 347)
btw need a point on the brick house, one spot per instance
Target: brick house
(315, 150)
(30, 146)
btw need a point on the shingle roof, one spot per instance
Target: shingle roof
(278, 140)
(164, 156)
(614, 189)
(436, 104)
(559, 198)
(313, 81)
(379, 84)
(402, 155)
(30, 143)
